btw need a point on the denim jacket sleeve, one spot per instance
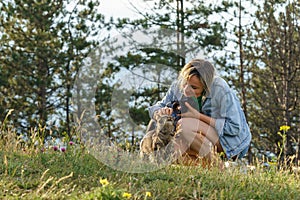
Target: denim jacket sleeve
(172, 94)
(223, 105)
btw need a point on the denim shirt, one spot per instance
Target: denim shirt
(222, 104)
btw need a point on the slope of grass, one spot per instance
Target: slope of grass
(77, 175)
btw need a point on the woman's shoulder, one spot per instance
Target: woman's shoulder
(175, 86)
(174, 90)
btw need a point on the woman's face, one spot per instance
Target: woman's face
(194, 87)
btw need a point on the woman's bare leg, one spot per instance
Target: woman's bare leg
(197, 137)
(192, 131)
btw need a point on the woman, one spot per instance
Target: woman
(217, 121)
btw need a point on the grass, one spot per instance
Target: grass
(32, 172)
(76, 175)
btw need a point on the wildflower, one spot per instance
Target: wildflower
(284, 128)
(148, 194)
(63, 149)
(104, 182)
(71, 143)
(55, 148)
(126, 195)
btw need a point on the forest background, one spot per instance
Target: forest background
(54, 53)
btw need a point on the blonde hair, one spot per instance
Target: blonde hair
(203, 69)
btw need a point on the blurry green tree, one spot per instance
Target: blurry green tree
(273, 59)
(42, 45)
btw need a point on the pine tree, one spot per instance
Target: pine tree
(275, 75)
(44, 42)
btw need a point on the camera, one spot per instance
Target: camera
(191, 100)
(180, 107)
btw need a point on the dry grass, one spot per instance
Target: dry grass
(31, 172)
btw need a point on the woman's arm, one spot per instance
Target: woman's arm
(230, 120)
(208, 120)
(160, 107)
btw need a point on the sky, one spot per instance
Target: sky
(121, 8)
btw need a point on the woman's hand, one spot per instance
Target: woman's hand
(163, 111)
(191, 113)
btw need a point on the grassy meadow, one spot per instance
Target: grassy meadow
(33, 172)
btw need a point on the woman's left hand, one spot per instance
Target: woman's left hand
(191, 113)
